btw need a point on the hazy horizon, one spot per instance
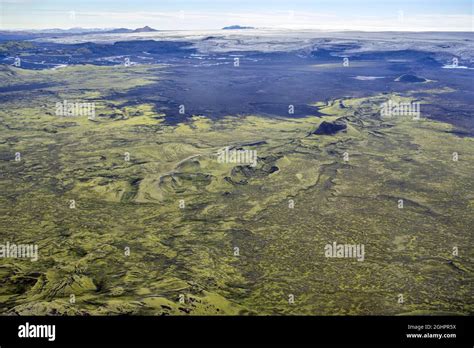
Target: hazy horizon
(254, 28)
(365, 15)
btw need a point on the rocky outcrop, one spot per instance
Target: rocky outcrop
(330, 128)
(406, 78)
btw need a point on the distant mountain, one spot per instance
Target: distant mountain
(119, 31)
(145, 29)
(236, 27)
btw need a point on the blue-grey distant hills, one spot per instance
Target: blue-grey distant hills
(145, 29)
(236, 27)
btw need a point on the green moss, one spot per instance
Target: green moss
(134, 205)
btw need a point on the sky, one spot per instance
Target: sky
(371, 15)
